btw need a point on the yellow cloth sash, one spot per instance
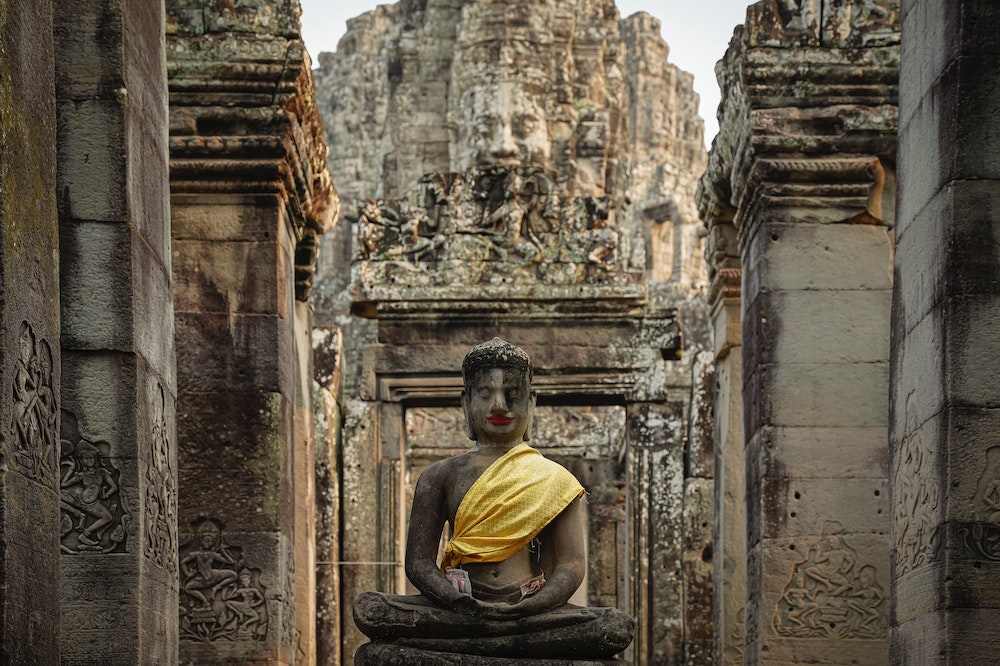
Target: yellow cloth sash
(508, 505)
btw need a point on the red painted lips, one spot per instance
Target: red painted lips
(500, 420)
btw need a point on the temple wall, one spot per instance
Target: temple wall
(944, 333)
(250, 192)
(118, 458)
(29, 338)
(804, 164)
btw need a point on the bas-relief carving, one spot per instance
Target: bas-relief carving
(584, 431)
(981, 539)
(32, 436)
(160, 542)
(831, 594)
(492, 214)
(836, 23)
(93, 517)
(221, 596)
(915, 498)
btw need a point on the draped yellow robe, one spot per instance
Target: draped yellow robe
(508, 505)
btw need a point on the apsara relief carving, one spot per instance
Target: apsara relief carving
(831, 594)
(981, 539)
(915, 498)
(221, 596)
(33, 430)
(160, 534)
(93, 517)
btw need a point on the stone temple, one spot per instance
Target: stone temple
(237, 286)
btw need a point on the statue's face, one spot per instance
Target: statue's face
(506, 127)
(498, 406)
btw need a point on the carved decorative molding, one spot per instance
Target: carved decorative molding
(243, 116)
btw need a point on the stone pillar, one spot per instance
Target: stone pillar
(729, 556)
(945, 453)
(327, 354)
(805, 162)
(118, 459)
(249, 194)
(699, 514)
(29, 327)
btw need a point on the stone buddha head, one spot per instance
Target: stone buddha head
(497, 397)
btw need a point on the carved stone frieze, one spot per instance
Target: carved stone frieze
(222, 596)
(93, 516)
(829, 23)
(32, 435)
(457, 228)
(830, 593)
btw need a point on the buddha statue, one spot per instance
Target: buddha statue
(517, 550)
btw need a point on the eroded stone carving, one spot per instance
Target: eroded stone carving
(915, 499)
(830, 593)
(92, 514)
(160, 542)
(453, 227)
(221, 596)
(981, 539)
(33, 428)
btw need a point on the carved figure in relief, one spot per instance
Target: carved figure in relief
(246, 602)
(517, 547)
(34, 419)
(93, 518)
(916, 499)
(87, 485)
(221, 596)
(828, 594)
(160, 543)
(981, 538)
(208, 567)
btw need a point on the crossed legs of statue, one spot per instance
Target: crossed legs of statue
(564, 633)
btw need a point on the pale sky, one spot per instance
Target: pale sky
(697, 31)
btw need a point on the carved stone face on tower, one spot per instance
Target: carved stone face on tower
(502, 124)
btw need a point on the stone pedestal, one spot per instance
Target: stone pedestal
(29, 335)
(945, 453)
(804, 162)
(249, 194)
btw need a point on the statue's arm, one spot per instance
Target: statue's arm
(427, 519)
(566, 536)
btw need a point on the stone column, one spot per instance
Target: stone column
(29, 326)
(945, 453)
(118, 459)
(327, 355)
(729, 556)
(805, 162)
(249, 194)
